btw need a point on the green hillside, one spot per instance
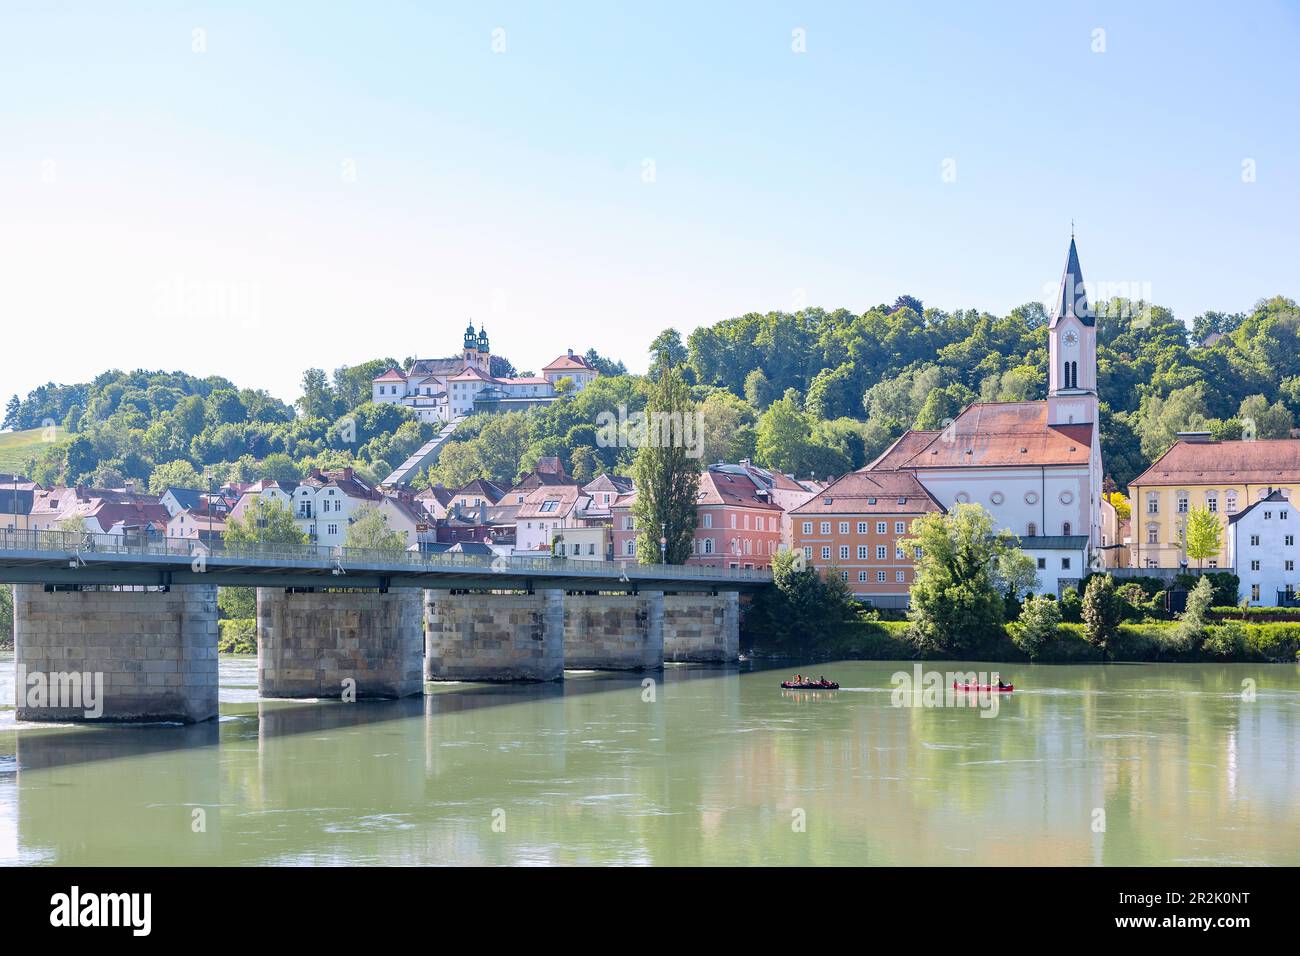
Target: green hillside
(17, 448)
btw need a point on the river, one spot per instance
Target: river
(1082, 765)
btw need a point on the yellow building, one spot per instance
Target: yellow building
(16, 496)
(1222, 477)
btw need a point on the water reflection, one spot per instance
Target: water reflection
(703, 766)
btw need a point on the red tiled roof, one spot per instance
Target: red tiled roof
(392, 375)
(993, 434)
(725, 488)
(1264, 461)
(872, 492)
(570, 361)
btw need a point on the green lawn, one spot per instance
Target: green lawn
(17, 447)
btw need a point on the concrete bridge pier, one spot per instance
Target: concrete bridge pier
(702, 628)
(614, 631)
(115, 655)
(494, 636)
(330, 643)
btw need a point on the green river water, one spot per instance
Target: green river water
(1082, 765)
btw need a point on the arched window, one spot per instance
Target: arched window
(1065, 529)
(1033, 530)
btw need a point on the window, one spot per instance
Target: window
(708, 520)
(826, 527)
(547, 506)
(899, 554)
(1282, 515)
(1290, 565)
(807, 527)
(708, 545)
(862, 577)
(1153, 534)
(844, 575)
(826, 554)
(1065, 529)
(880, 552)
(630, 549)
(1212, 502)
(916, 554)
(1042, 564)
(880, 577)
(844, 527)
(733, 521)
(900, 527)
(882, 527)
(1254, 565)
(1153, 503)
(1289, 540)
(1231, 499)
(1254, 541)
(862, 552)
(1065, 564)
(1033, 530)
(862, 527)
(332, 529)
(807, 553)
(844, 552)
(900, 576)
(1268, 516)
(1254, 592)
(1182, 502)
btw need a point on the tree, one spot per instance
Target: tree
(957, 601)
(665, 351)
(804, 601)
(317, 400)
(758, 390)
(667, 478)
(1040, 616)
(1103, 610)
(174, 474)
(265, 521)
(1193, 621)
(1259, 419)
(1204, 535)
(583, 464)
(369, 529)
(728, 422)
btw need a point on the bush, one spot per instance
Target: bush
(1260, 614)
(1039, 618)
(1273, 642)
(1191, 628)
(1226, 587)
(238, 635)
(1102, 613)
(1071, 607)
(1227, 641)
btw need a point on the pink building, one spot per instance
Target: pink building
(737, 524)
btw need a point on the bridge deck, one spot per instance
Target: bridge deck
(69, 558)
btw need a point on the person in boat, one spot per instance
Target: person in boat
(821, 679)
(1002, 685)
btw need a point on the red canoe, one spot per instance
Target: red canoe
(983, 687)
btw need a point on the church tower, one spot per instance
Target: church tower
(470, 348)
(1072, 351)
(484, 352)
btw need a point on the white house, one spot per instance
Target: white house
(547, 510)
(1262, 549)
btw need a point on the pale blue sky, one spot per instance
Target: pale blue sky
(327, 183)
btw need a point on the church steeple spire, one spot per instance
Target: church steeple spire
(1071, 300)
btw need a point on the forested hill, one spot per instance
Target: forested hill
(812, 393)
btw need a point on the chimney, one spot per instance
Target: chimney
(347, 474)
(1193, 437)
(570, 353)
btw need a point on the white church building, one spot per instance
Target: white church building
(1035, 466)
(441, 390)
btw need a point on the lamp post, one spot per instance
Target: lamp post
(663, 543)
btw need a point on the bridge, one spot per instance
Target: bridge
(139, 616)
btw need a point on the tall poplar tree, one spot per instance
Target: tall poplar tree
(666, 472)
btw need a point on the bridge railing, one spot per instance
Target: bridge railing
(75, 545)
